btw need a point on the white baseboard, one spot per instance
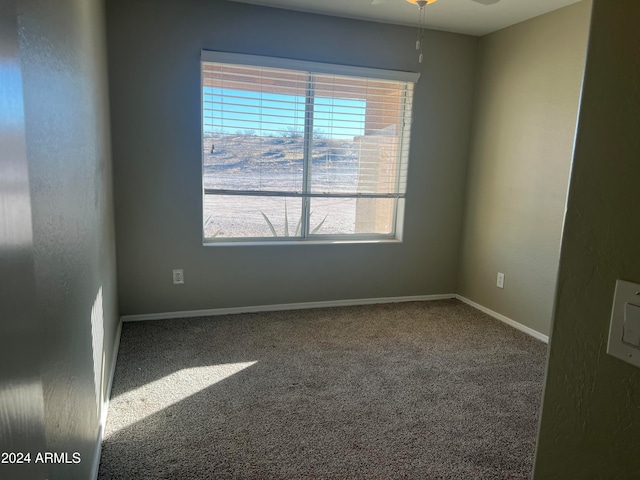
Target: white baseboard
(507, 320)
(105, 405)
(281, 307)
(331, 303)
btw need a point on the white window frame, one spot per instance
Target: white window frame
(307, 67)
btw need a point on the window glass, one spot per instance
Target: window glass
(297, 155)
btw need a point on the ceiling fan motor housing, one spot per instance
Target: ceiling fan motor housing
(420, 3)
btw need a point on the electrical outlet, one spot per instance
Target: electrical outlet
(500, 281)
(178, 276)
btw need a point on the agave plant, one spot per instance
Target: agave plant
(286, 224)
(206, 224)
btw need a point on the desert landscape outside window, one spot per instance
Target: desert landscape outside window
(298, 151)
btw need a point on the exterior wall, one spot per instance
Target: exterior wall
(154, 50)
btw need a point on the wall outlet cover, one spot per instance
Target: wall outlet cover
(178, 276)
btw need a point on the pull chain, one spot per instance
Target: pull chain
(421, 41)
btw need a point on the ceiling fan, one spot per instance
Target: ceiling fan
(421, 4)
(484, 2)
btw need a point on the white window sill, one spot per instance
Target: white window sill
(261, 243)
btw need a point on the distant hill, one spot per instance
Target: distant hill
(253, 151)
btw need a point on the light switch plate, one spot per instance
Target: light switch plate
(631, 327)
(624, 331)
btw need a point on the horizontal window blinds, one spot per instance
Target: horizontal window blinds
(280, 131)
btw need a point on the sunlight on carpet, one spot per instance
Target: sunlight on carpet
(154, 397)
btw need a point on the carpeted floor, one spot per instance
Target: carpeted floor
(424, 390)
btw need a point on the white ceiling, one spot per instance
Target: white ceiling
(461, 16)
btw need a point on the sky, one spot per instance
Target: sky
(238, 111)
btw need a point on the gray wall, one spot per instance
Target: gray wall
(59, 339)
(154, 49)
(591, 410)
(21, 393)
(528, 89)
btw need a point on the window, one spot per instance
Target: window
(301, 151)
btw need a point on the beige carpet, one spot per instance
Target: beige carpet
(424, 390)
